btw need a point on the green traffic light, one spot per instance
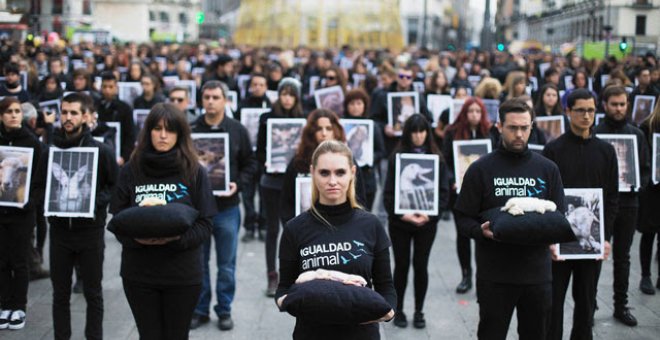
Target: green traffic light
(200, 17)
(623, 46)
(500, 47)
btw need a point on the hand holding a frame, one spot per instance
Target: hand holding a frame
(389, 131)
(606, 251)
(416, 219)
(49, 116)
(232, 190)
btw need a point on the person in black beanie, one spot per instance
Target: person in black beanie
(162, 277)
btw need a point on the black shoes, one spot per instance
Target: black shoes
(466, 283)
(646, 286)
(261, 234)
(248, 237)
(400, 320)
(198, 320)
(272, 284)
(225, 322)
(418, 320)
(623, 315)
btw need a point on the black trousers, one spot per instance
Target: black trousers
(585, 280)
(646, 252)
(41, 229)
(463, 250)
(421, 238)
(68, 248)
(162, 312)
(253, 218)
(622, 238)
(270, 199)
(497, 302)
(15, 260)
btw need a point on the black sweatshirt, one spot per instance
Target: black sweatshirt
(242, 163)
(588, 163)
(357, 244)
(611, 126)
(118, 111)
(490, 182)
(177, 262)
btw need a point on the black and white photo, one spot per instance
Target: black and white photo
(139, 117)
(192, 91)
(492, 108)
(50, 106)
(115, 144)
(129, 91)
(642, 108)
(71, 182)
(551, 126)
(282, 139)
(467, 152)
(303, 194)
(655, 167)
(212, 150)
(437, 104)
(330, 98)
(586, 217)
(250, 119)
(457, 105)
(628, 159)
(415, 184)
(232, 100)
(15, 175)
(400, 106)
(360, 139)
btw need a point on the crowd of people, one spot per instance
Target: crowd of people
(203, 89)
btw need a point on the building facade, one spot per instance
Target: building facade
(435, 24)
(220, 18)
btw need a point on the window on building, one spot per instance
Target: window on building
(152, 16)
(164, 17)
(87, 7)
(640, 25)
(57, 6)
(183, 18)
(412, 30)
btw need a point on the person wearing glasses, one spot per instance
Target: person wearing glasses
(181, 99)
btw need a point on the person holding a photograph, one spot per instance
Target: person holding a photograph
(509, 276)
(151, 94)
(416, 229)
(112, 109)
(472, 123)
(584, 161)
(162, 277)
(17, 223)
(336, 217)
(644, 87)
(615, 102)
(288, 105)
(226, 223)
(80, 241)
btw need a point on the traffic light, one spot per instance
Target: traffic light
(500, 47)
(451, 47)
(623, 45)
(200, 17)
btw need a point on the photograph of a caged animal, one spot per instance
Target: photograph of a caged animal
(416, 184)
(585, 215)
(212, 150)
(15, 175)
(71, 182)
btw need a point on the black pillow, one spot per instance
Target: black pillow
(150, 222)
(332, 302)
(532, 228)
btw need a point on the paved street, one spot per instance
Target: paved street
(449, 316)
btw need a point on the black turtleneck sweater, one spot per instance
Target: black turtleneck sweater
(622, 127)
(588, 163)
(355, 242)
(490, 182)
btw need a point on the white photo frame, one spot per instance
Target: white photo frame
(419, 86)
(213, 155)
(416, 184)
(243, 81)
(139, 117)
(50, 106)
(568, 83)
(467, 152)
(586, 215)
(655, 166)
(71, 182)
(250, 119)
(474, 80)
(493, 109)
(438, 103)
(360, 139)
(314, 82)
(357, 79)
(456, 106)
(232, 99)
(642, 108)
(282, 139)
(169, 82)
(303, 194)
(16, 175)
(272, 96)
(551, 126)
(628, 160)
(129, 91)
(117, 138)
(330, 98)
(192, 91)
(599, 117)
(398, 111)
(604, 78)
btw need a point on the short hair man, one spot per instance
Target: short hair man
(180, 97)
(509, 276)
(111, 109)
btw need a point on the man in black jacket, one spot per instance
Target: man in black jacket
(12, 86)
(509, 276)
(584, 161)
(615, 102)
(111, 109)
(242, 165)
(80, 241)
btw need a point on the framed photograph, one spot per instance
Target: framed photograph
(642, 108)
(192, 91)
(282, 139)
(543, 67)
(272, 95)
(139, 117)
(71, 182)
(599, 117)
(604, 78)
(416, 184)
(400, 106)
(358, 80)
(456, 106)
(250, 119)
(534, 82)
(24, 80)
(536, 147)
(586, 216)
(116, 142)
(419, 86)
(438, 103)
(15, 175)
(303, 194)
(551, 126)
(568, 83)
(212, 153)
(169, 82)
(232, 100)
(467, 152)
(493, 108)
(330, 98)
(360, 138)
(628, 159)
(474, 81)
(243, 81)
(314, 82)
(655, 167)
(51, 106)
(129, 91)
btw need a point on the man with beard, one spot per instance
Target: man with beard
(12, 87)
(111, 109)
(80, 240)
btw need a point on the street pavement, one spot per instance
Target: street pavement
(448, 315)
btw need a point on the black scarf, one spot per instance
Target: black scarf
(616, 124)
(60, 139)
(11, 135)
(160, 164)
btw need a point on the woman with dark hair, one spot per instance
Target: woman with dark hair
(437, 84)
(547, 103)
(461, 79)
(50, 89)
(162, 277)
(472, 123)
(417, 229)
(135, 72)
(335, 217)
(288, 105)
(580, 81)
(334, 76)
(151, 94)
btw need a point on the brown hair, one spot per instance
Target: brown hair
(308, 138)
(6, 102)
(357, 94)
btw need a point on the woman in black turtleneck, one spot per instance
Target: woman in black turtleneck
(16, 222)
(335, 217)
(418, 229)
(162, 276)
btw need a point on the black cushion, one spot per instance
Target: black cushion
(332, 302)
(532, 228)
(150, 222)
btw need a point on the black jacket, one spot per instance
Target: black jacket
(118, 111)
(141, 103)
(252, 102)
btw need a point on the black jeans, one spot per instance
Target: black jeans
(463, 250)
(585, 279)
(14, 260)
(162, 312)
(253, 218)
(622, 238)
(41, 229)
(270, 199)
(497, 302)
(67, 249)
(646, 252)
(402, 236)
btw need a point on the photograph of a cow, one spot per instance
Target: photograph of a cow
(15, 175)
(586, 216)
(71, 182)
